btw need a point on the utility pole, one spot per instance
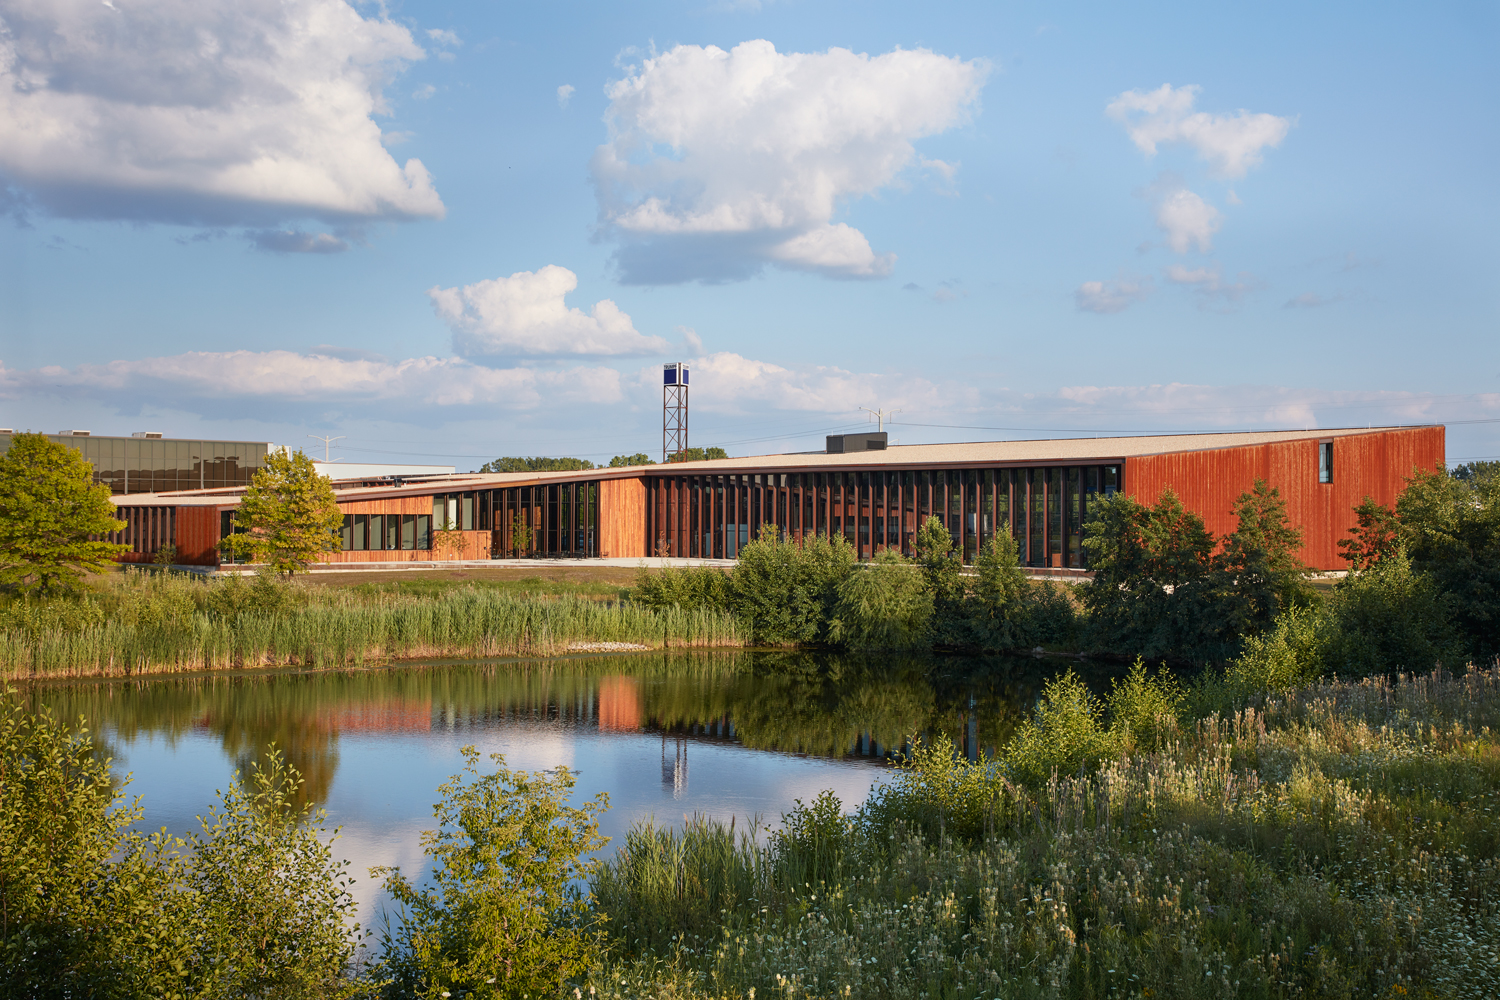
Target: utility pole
(880, 416)
(327, 441)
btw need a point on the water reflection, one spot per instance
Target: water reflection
(819, 705)
(725, 734)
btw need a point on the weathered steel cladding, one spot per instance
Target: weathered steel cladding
(1375, 465)
(197, 536)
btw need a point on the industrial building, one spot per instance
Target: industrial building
(873, 495)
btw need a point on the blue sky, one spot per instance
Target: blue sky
(453, 231)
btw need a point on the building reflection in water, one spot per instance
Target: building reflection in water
(674, 772)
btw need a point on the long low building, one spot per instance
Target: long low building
(875, 496)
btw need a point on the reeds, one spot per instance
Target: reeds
(1343, 839)
(168, 626)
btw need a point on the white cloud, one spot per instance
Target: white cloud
(526, 315)
(1209, 283)
(1231, 144)
(256, 112)
(729, 383)
(721, 162)
(1186, 219)
(564, 95)
(442, 36)
(1111, 296)
(221, 380)
(423, 92)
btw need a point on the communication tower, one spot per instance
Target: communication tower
(674, 410)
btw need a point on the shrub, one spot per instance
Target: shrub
(691, 588)
(1450, 527)
(1388, 618)
(86, 907)
(1290, 655)
(1064, 736)
(885, 605)
(273, 911)
(785, 591)
(814, 842)
(1049, 615)
(506, 914)
(1145, 710)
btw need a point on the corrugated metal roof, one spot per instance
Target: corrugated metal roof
(1037, 452)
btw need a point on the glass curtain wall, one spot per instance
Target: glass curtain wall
(546, 520)
(712, 517)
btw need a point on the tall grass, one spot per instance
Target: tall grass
(172, 624)
(1339, 840)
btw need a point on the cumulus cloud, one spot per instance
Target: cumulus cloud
(256, 113)
(1185, 218)
(564, 95)
(1231, 144)
(1111, 296)
(525, 314)
(1209, 283)
(330, 377)
(721, 162)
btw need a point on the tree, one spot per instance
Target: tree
(626, 461)
(1155, 581)
(506, 914)
(1261, 572)
(1375, 536)
(1450, 528)
(784, 591)
(289, 515)
(698, 455)
(885, 605)
(537, 464)
(51, 514)
(447, 538)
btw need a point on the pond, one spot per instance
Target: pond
(666, 735)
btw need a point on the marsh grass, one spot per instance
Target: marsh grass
(1340, 839)
(161, 623)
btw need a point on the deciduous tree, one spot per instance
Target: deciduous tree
(288, 517)
(51, 517)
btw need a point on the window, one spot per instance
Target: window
(1325, 461)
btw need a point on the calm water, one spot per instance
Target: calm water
(665, 735)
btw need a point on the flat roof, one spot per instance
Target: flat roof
(1032, 452)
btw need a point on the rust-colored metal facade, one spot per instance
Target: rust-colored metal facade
(875, 503)
(1374, 465)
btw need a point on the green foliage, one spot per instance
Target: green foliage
(1065, 735)
(266, 595)
(537, 463)
(86, 907)
(1002, 583)
(1388, 618)
(784, 591)
(520, 534)
(1287, 657)
(165, 556)
(883, 605)
(1049, 615)
(89, 907)
(816, 843)
(936, 794)
(630, 461)
(698, 455)
(273, 909)
(1155, 589)
(1145, 711)
(50, 516)
(505, 915)
(1259, 572)
(288, 516)
(1375, 536)
(691, 588)
(1451, 529)
(1164, 587)
(664, 884)
(932, 548)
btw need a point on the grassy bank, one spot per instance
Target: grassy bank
(1342, 840)
(143, 623)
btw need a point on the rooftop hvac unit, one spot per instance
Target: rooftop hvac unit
(76, 434)
(842, 444)
(148, 435)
